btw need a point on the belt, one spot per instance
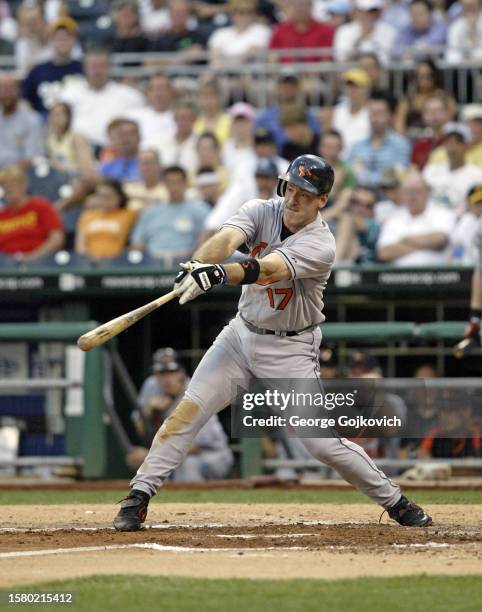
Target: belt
(271, 332)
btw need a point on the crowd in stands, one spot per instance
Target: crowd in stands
(102, 166)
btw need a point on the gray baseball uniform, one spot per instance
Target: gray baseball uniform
(240, 354)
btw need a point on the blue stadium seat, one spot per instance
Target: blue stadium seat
(129, 259)
(7, 263)
(62, 259)
(97, 32)
(46, 181)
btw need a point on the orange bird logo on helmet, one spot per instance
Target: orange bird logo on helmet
(303, 171)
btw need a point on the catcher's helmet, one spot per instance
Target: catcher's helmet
(308, 172)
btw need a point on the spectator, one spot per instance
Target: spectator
(43, 83)
(464, 40)
(265, 148)
(20, 128)
(471, 115)
(181, 148)
(300, 137)
(67, 150)
(464, 239)
(357, 229)
(31, 45)
(330, 149)
(435, 113)
(239, 155)
(397, 13)
(390, 198)
(103, 229)
(99, 97)
(243, 40)
(367, 32)
(451, 180)
(171, 231)
(263, 186)
(418, 234)
(209, 154)
(370, 63)
(182, 36)
(328, 364)
(383, 149)
(29, 226)
(156, 119)
(350, 115)
(212, 118)
(112, 148)
(427, 82)
(424, 32)
(154, 16)
(300, 30)
(456, 435)
(150, 189)
(8, 28)
(209, 457)
(128, 36)
(288, 93)
(208, 185)
(125, 167)
(339, 12)
(422, 402)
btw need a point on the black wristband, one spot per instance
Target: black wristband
(251, 270)
(475, 314)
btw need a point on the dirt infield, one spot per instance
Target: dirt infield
(40, 543)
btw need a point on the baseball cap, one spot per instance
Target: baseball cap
(242, 109)
(163, 356)
(363, 361)
(357, 76)
(458, 129)
(471, 111)
(266, 167)
(288, 74)
(66, 23)
(263, 135)
(474, 195)
(338, 7)
(369, 5)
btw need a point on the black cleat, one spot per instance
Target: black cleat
(408, 514)
(133, 511)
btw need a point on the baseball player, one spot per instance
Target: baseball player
(276, 332)
(472, 336)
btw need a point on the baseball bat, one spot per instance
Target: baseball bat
(112, 328)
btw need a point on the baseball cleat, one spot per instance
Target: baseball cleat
(133, 511)
(408, 514)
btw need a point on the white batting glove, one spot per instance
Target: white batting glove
(197, 278)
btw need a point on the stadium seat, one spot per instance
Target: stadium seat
(62, 259)
(129, 259)
(46, 181)
(87, 10)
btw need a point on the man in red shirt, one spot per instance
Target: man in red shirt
(435, 113)
(300, 30)
(30, 228)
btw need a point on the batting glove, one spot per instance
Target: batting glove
(197, 278)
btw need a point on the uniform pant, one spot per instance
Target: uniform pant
(239, 354)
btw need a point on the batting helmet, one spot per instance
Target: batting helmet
(308, 172)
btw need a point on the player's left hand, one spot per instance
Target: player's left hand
(197, 278)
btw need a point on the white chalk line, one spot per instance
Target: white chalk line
(175, 526)
(149, 546)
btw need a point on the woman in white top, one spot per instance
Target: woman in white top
(243, 39)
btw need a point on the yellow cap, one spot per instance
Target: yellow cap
(357, 76)
(66, 23)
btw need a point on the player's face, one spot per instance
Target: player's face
(301, 207)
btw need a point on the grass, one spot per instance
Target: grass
(139, 593)
(237, 496)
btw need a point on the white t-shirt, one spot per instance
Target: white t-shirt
(93, 110)
(463, 241)
(402, 224)
(450, 188)
(458, 45)
(154, 126)
(380, 41)
(232, 43)
(352, 127)
(183, 154)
